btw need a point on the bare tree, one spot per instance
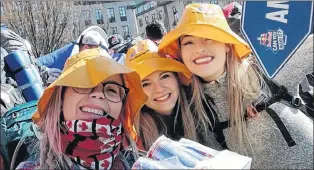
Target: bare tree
(47, 25)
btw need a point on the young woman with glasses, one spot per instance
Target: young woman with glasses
(85, 117)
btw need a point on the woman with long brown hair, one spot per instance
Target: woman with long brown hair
(166, 110)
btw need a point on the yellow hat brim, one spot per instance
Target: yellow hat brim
(169, 43)
(148, 65)
(87, 69)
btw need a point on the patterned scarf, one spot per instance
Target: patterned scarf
(93, 144)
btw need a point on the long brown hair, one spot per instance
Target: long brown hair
(149, 130)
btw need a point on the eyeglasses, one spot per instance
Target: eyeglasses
(114, 92)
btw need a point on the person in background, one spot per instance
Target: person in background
(116, 44)
(91, 39)
(233, 12)
(155, 31)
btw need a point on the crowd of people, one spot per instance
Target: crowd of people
(199, 81)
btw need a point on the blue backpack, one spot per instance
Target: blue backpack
(16, 129)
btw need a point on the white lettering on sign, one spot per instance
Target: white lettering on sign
(274, 45)
(278, 15)
(281, 41)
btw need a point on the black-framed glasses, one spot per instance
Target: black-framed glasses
(114, 92)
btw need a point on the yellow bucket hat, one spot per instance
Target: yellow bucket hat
(207, 21)
(89, 68)
(144, 59)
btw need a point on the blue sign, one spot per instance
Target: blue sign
(275, 30)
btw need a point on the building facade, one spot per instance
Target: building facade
(129, 18)
(149, 11)
(168, 12)
(114, 17)
(121, 19)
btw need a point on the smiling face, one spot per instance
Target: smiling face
(162, 89)
(203, 57)
(77, 106)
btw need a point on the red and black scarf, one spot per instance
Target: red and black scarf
(92, 144)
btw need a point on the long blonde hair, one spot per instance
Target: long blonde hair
(244, 83)
(148, 129)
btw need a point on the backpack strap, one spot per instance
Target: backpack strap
(284, 131)
(16, 151)
(281, 92)
(218, 126)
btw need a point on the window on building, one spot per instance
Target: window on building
(185, 3)
(86, 17)
(174, 10)
(126, 32)
(176, 16)
(153, 17)
(160, 14)
(99, 16)
(146, 20)
(146, 6)
(110, 12)
(213, 2)
(153, 3)
(114, 30)
(122, 12)
(140, 9)
(140, 21)
(176, 19)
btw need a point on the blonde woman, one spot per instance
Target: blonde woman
(166, 110)
(86, 115)
(230, 90)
